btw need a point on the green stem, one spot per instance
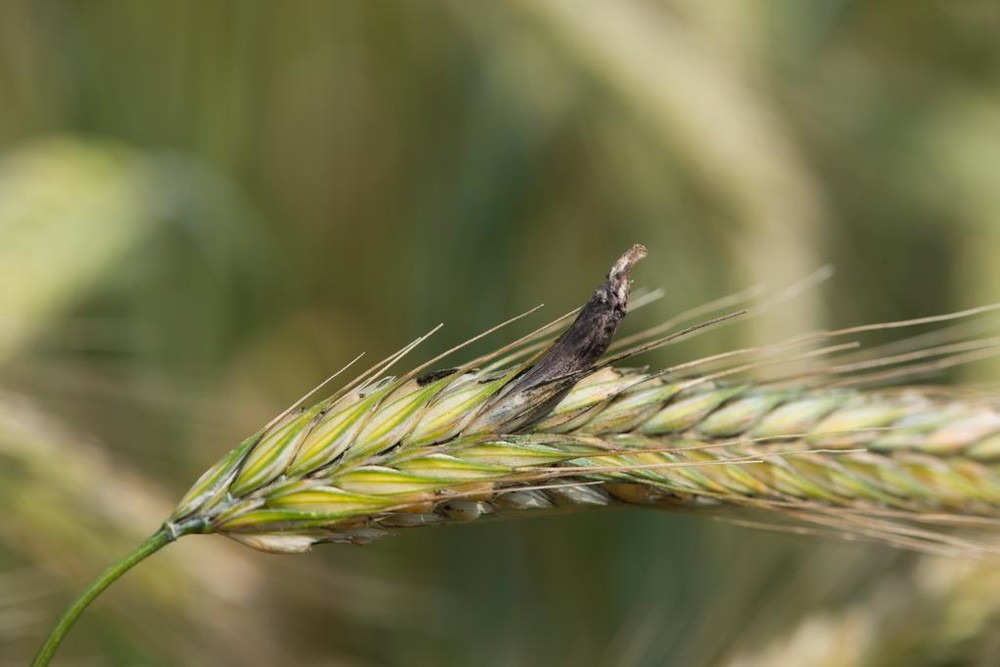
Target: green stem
(153, 543)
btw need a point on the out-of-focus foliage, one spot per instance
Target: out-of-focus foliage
(51, 194)
(205, 208)
(80, 218)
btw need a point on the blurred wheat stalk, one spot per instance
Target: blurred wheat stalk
(567, 429)
(65, 527)
(939, 611)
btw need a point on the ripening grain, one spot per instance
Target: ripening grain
(553, 425)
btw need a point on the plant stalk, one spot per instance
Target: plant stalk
(151, 545)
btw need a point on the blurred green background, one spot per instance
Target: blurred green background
(206, 207)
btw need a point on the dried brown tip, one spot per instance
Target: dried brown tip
(534, 392)
(620, 270)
